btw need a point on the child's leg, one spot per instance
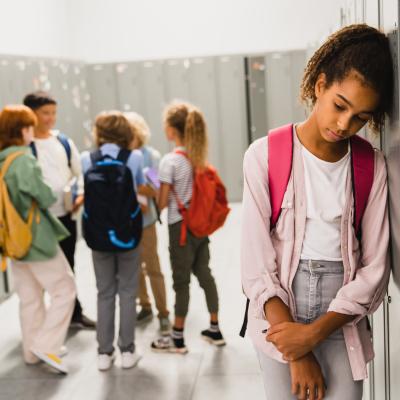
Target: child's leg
(31, 306)
(182, 258)
(206, 280)
(56, 278)
(153, 269)
(128, 267)
(276, 378)
(334, 361)
(144, 299)
(106, 280)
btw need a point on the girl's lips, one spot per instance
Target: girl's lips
(334, 135)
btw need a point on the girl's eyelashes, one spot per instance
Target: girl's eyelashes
(339, 107)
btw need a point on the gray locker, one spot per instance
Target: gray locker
(256, 97)
(203, 94)
(152, 89)
(102, 88)
(129, 89)
(283, 75)
(78, 106)
(278, 85)
(390, 14)
(297, 67)
(176, 80)
(232, 122)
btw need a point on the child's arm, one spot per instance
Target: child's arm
(162, 200)
(30, 181)
(260, 278)
(146, 190)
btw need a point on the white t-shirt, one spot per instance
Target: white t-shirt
(325, 184)
(53, 160)
(176, 170)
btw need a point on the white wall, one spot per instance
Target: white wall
(113, 30)
(35, 28)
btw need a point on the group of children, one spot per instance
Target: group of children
(122, 189)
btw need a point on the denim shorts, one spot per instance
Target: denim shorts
(315, 285)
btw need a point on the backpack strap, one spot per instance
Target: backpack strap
(280, 156)
(362, 170)
(96, 156)
(63, 139)
(124, 155)
(181, 207)
(32, 145)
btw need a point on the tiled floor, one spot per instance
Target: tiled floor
(206, 373)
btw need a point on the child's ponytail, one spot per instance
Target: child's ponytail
(196, 139)
(192, 129)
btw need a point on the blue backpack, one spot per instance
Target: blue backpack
(112, 219)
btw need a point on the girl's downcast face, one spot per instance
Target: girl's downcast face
(343, 108)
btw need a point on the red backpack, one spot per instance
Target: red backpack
(280, 157)
(208, 207)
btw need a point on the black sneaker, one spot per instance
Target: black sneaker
(83, 323)
(214, 338)
(144, 315)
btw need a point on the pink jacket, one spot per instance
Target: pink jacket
(269, 259)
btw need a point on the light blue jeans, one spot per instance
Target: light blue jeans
(314, 286)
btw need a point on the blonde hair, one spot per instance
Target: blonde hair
(141, 130)
(190, 124)
(113, 127)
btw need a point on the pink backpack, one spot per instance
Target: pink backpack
(280, 154)
(280, 157)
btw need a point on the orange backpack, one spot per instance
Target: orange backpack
(208, 207)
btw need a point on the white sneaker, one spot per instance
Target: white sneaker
(105, 361)
(129, 360)
(63, 351)
(52, 360)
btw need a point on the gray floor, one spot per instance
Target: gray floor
(206, 373)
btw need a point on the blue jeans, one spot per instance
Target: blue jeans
(314, 286)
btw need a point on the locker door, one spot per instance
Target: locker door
(76, 89)
(256, 97)
(232, 122)
(57, 84)
(278, 89)
(176, 80)
(297, 66)
(390, 12)
(151, 79)
(130, 94)
(102, 88)
(203, 93)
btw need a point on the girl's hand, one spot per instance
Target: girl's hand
(292, 339)
(307, 378)
(78, 203)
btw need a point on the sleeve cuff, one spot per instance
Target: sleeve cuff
(265, 296)
(347, 307)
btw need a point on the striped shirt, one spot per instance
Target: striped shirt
(176, 170)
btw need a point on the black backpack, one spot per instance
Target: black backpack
(112, 220)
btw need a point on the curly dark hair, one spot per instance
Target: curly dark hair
(359, 48)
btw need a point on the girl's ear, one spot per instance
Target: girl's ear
(320, 85)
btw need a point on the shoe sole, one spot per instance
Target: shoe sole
(171, 351)
(106, 369)
(48, 361)
(144, 320)
(79, 325)
(218, 343)
(133, 365)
